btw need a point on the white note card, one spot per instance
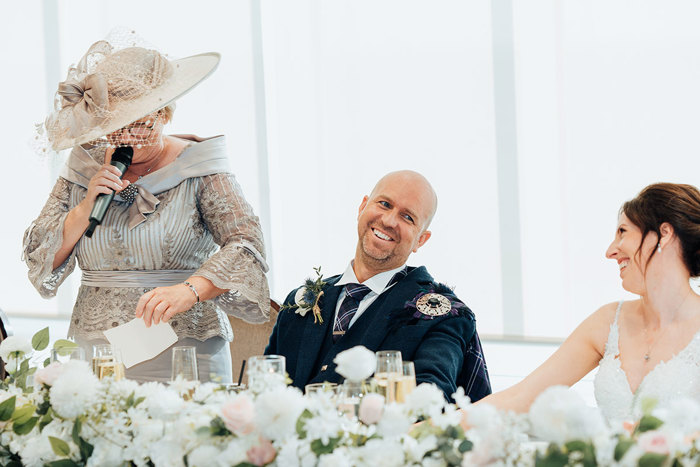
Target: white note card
(138, 343)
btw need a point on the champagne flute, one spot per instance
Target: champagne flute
(406, 383)
(388, 369)
(315, 388)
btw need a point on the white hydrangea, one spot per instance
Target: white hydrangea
(381, 453)
(426, 399)
(234, 454)
(325, 425)
(106, 453)
(277, 412)
(394, 422)
(681, 414)
(559, 415)
(203, 456)
(74, 390)
(356, 364)
(168, 453)
(338, 458)
(417, 449)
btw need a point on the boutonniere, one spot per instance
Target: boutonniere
(438, 300)
(308, 297)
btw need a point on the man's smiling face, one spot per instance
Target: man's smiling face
(392, 221)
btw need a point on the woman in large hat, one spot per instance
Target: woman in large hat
(179, 243)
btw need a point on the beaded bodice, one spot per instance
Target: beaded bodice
(676, 377)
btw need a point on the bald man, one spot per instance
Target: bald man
(383, 304)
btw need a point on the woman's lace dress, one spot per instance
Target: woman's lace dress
(200, 224)
(677, 377)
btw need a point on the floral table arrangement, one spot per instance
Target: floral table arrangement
(68, 417)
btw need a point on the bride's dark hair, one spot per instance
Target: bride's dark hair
(676, 204)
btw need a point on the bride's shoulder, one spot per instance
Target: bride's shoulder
(607, 312)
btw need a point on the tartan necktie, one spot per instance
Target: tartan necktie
(354, 293)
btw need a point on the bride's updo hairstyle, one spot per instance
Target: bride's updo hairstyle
(677, 204)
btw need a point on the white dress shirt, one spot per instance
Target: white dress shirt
(377, 285)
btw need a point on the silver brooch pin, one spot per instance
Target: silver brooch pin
(433, 304)
(128, 194)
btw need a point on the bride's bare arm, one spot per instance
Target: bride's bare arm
(576, 357)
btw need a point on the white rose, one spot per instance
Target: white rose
(356, 364)
(14, 345)
(278, 410)
(302, 306)
(560, 415)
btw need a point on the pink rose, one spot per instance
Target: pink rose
(238, 414)
(653, 441)
(262, 454)
(371, 408)
(48, 374)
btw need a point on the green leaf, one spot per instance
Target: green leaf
(139, 400)
(23, 414)
(622, 447)
(576, 445)
(554, 457)
(63, 463)
(465, 446)
(7, 408)
(648, 423)
(45, 420)
(319, 448)
(47, 362)
(41, 339)
(64, 347)
(301, 421)
(75, 433)
(85, 450)
(652, 459)
(24, 428)
(59, 446)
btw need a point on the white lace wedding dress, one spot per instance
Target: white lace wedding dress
(677, 377)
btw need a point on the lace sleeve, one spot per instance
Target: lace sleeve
(239, 266)
(43, 239)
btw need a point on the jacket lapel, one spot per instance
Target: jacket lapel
(371, 328)
(313, 334)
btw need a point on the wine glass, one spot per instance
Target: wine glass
(63, 355)
(388, 370)
(266, 370)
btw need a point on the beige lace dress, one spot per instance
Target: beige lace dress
(187, 218)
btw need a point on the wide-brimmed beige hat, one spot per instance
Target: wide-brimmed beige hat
(112, 87)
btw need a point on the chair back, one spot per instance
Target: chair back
(249, 340)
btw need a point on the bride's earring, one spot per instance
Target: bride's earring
(658, 248)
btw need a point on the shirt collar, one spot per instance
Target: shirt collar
(376, 283)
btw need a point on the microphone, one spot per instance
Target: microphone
(121, 159)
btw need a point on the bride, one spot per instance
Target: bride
(644, 348)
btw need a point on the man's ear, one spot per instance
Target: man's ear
(363, 205)
(422, 239)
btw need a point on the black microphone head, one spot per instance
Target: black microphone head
(123, 155)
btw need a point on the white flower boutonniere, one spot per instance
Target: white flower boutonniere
(308, 297)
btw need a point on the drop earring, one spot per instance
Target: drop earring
(658, 248)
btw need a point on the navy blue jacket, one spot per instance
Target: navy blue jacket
(445, 349)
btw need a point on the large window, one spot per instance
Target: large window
(534, 121)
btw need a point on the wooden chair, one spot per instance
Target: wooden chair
(249, 340)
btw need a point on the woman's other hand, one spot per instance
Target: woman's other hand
(162, 303)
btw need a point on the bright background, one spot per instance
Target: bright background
(533, 120)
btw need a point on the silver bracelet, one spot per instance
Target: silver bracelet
(194, 291)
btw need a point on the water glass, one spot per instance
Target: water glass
(406, 382)
(64, 355)
(266, 370)
(389, 368)
(349, 396)
(184, 363)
